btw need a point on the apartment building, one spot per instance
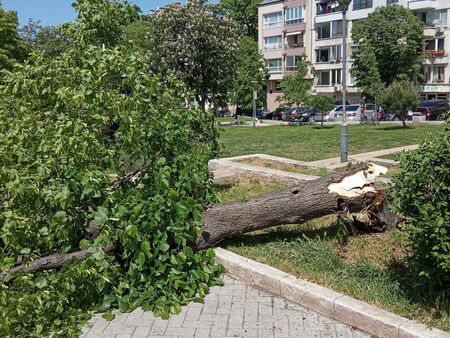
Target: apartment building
(322, 43)
(284, 37)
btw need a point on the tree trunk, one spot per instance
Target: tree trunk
(349, 192)
(353, 192)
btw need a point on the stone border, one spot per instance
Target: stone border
(333, 304)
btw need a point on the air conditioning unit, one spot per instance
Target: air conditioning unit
(337, 88)
(440, 30)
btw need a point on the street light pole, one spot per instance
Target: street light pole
(254, 83)
(344, 126)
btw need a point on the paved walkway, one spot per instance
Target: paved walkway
(234, 310)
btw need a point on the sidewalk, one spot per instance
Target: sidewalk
(234, 310)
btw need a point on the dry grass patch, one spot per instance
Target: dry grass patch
(259, 162)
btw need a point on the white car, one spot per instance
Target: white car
(353, 112)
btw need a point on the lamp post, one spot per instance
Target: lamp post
(254, 83)
(344, 126)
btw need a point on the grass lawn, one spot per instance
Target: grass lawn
(368, 267)
(311, 143)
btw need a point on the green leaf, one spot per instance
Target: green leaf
(108, 315)
(41, 283)
(145, 247)
(141, 259)
(84, 244)
(25, 251)
(131, 230)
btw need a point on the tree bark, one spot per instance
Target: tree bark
(352, 191)
(305, 201)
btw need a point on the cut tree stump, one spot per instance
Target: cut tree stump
(352, 191)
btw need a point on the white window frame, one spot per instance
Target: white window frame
(294, 15)
(274, 69)
(268, 23)
(273, 45)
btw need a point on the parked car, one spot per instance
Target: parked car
(277, 114)
(353, 113)
(434, 110)
(261, 113)
(304, 115)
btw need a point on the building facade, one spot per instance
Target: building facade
(321, 37)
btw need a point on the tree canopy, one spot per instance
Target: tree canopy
(93, 139)
(245, 12)
(198, 44)
(400, 96)
(250, 67)
(12, 47)
(366, 71)
(395, 35)
(296, 87)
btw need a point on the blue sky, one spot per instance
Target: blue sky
(54, 12)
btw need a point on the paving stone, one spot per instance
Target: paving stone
(234, 310)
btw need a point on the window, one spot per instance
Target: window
(272, 42)
(336, 76)
(278, 86)
(291, 62)
(294, 41)
(362, 4)
(323, 31)
(323, 55)
(438, 74)
(272, 20)
(390, 2)
(433, 74)
(273, 65)
(435, 18)
(434, 44)
(293, 15)
(329, 54)
(336, 28)
(336, 53)
(323, 78)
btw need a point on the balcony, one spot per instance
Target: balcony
(328, 7)
(415, 5)
(433, 53)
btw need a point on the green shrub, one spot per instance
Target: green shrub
(72, 128)
(421, 193)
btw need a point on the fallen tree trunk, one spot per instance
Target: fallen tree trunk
(349, 192)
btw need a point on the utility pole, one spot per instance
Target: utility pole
(254, 83)
(344, 126)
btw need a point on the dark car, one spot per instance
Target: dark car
(434, 110)
(304, 115)
(277, 114)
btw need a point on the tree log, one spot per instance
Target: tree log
(352, 191)
(349, 192)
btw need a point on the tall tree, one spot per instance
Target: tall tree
(197, 43)
(296, 87)
(250, 67)
(105, 28)
(245, 12)
(12, 47)
(395, 36)
(366, 71)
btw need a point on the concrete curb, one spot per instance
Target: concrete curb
(333, 304)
